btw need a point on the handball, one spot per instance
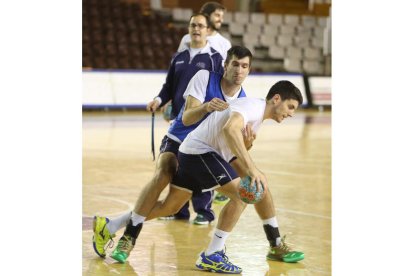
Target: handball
(249, 194)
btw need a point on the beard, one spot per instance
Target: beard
(213, 26)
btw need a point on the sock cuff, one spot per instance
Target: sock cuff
(136, 219)
(271, 221)
(221, 233)
(217, 241)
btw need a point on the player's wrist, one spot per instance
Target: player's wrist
(206, 109)
(158, 100)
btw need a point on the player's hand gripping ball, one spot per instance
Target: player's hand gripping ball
(250, 194)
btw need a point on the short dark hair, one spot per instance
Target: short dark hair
(286, 90)
(210, 7)
(202, 14)
(239, 52)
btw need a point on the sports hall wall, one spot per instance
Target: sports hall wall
(124, 57)
(134, 88)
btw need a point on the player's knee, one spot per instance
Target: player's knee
(163, 176)
(167, 165)
(236, 202)
(242, 205)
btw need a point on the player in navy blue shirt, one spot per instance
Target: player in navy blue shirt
(184, 65)
(196, 55)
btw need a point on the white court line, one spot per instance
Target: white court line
(303, 213)
(296, 174)
(319, 161)
(130, 206)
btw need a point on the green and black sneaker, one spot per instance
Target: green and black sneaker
(123, 248)
(126, 242)
(282, 252)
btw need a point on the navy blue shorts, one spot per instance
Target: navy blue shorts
(202, 172)
(169, 145)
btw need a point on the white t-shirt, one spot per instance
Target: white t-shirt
(208, 136)
(197, 85)
(217, 41)
(196, 51)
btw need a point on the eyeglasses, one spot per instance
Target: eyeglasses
(200, 26)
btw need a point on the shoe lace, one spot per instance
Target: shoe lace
(124, 243)
(222, 253)
(284, 246)
(110, 244)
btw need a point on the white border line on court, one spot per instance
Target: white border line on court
(303, 213)
(130, 206)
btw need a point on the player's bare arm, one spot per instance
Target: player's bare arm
(248, 136)
(234, 139)
(194, 110)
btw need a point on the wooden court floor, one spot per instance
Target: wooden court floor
(294, 155)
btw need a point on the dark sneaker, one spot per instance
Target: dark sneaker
(201, 220)
(220, 199)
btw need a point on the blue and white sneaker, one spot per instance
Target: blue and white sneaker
(217, 262)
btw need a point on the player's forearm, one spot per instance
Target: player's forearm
(234, 140)
(193, 115)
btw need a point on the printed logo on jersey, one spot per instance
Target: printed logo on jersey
(200, 64)
(179, 62)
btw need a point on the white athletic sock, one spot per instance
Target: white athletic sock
(217, 242)
(117, 223)
(272, 222)
(137, 219)
(278, 240)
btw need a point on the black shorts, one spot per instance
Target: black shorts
(169, 145)
(202, 172)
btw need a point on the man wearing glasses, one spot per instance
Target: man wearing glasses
(215, 11)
